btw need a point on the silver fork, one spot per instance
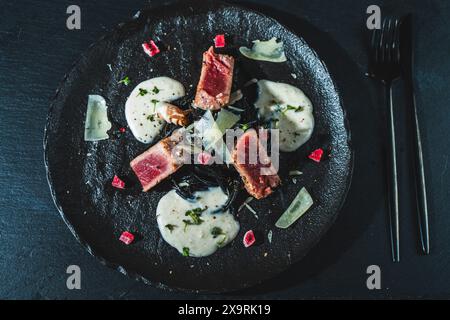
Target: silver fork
(385, 66)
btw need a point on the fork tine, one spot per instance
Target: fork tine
(390, 41)
(381, 47)
(396, 42)
(386, 42)
(373, 41)
(376, 33)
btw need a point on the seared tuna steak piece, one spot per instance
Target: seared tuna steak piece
(216, 78)
(158, 162)
(250, 159)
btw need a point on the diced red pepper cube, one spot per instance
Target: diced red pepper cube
(204, 158)
(249, 238)
(316, 155)
(118, 183)
(126, 237)
(122, 130)
(150, 48)
(219, 41)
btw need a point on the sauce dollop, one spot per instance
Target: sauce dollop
(179, 230)
(141, 106)
(289, 110)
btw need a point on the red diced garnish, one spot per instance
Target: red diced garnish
(117, 183)
(150, 48)
(126, 237)
(122, 130)
(249, 238)
(204, 158)
(316, 155)
(219, 41)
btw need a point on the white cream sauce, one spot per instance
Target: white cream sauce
(141, 105)
(289, 110)
(199, 240)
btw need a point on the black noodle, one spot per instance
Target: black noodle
(200, 178)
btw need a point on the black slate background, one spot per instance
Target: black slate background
(36, 247)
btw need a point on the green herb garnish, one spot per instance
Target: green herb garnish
(296, 109)
(126, 81)
(244, 126)
(154, 101)
(142, 92)
(171, 227)
(185, 252)
(187, 223)
(221, 242)
(151, 117)
(216, 231)
(194, 214)
(155, 90)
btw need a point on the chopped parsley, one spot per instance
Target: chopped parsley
(155, 90)
(126, 81)
(296, 109)
(194, 214)
(216, 231)
(171, 227)
(244, 126)
(151, 117)
(142, 92)
(187, 223)
(221, 242)
(185, 252)
(154, 101)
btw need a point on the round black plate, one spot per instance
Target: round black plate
(80, 173)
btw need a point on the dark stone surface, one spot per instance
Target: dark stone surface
(36, 50)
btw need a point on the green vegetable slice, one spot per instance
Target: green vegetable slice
(211, 131)
(269, 50)
(97, 124)
(226, 120)
(298, 208)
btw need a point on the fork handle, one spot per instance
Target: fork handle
(393, 185)
(422, 205)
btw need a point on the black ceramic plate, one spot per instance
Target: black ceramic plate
(80, 173)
